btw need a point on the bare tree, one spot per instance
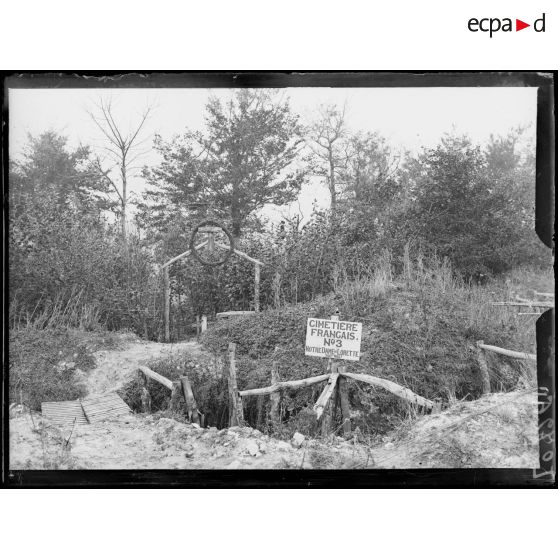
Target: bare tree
(123, 149)
(325, 138)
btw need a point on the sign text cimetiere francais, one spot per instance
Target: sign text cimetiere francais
(333, 339)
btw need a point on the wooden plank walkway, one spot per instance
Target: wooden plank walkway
(103, 407)
(64, 413)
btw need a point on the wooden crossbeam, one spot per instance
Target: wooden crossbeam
(239, 253)
(184, 254)
(394, 388)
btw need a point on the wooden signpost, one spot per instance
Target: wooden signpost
(333, 338)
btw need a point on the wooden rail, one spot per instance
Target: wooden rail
(335, 380)
(534, 304)
(293, 384)
(157, 377)
(394, 388)
(507, 352)
(181, 392)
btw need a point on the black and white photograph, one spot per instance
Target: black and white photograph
(210, 276)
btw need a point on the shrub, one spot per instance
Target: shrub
(208, 384)
(36, 370)
(48, 363)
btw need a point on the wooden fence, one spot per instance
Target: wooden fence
(324, 408)
(483, 365)
(181, 393)
(334, 392)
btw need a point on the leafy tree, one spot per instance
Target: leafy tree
(241, 162)
(49, 169)
(511, 170)
(49, 180)
(471, 206)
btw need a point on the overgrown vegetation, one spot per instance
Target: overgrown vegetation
(208, 380)
(413, 246)
(48, 363)
(420, 330)
(468, 203)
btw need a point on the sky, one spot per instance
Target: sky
(409, 118)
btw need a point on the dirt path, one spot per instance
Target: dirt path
(116, 367)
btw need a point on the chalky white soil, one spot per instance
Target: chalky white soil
(499, 430)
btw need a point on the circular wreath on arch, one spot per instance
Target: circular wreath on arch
(217, 252)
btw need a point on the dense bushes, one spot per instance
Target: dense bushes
(71, 263)
(473, 206)
(45, 364)
(64, 257)
(209, 385)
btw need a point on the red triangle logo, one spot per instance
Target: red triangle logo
(519, 25)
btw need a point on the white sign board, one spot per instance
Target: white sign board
(333, 339)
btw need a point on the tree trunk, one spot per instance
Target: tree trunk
(236, 218)
(332, 191)
(124, 201)
(257, 288)
(166, 305)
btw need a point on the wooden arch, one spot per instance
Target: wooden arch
(166, 281)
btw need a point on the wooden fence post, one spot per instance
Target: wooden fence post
(274, 411)
(257, 288)
(203, 323)
(166, 304)
(483, 366)
(236, 412)
(197, 327)
(329, 410)
(191, 405)
(330, 405)
(176, 396)
(145, 395)
(344, 402)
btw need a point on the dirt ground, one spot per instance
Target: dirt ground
(116, 367)
(499, 430)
